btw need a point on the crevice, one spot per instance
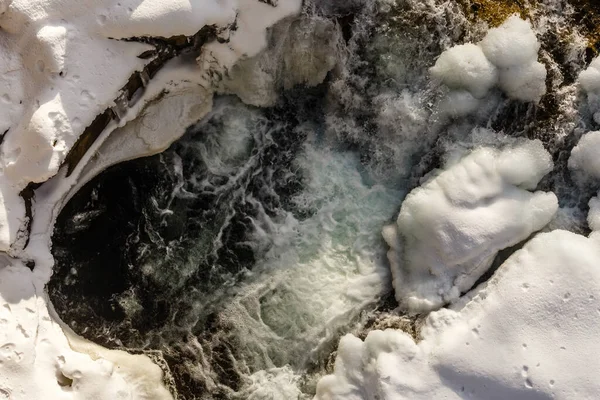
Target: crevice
(272, 3)
(165, 49)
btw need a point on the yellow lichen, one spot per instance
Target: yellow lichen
(494, 12)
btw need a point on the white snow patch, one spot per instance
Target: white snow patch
(512, 44)
(60, 69)
(589, 80)
(530, 333)
(593, 218)
(584, 160)
(449, 230)
(506, 57)
(36, 361)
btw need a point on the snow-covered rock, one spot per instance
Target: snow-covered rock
(585, 156)
(450, 229)
(466, 67)
(530, 333)
(61, 68)
(506, 57)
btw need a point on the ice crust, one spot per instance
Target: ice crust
(530, 333)
(449, 229)
(61, 67)
(506, 57)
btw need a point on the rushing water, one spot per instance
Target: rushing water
(246, 249)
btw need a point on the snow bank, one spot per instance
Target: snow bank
(529, 334)
(466, 67)
(584, 160)
(36, 361)
(61, 68)
(506, 57)
(450, 229)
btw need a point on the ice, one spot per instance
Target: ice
(593, 217)
(589, 80)
(449, 230)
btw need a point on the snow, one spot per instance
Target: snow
(506, 57)
(466, 67)
(60, 75)
(61, 67)
(593, 218)
(589, 81)
(524, 82)
(530, 333)
(449, 229)
(511, 44)
(165, 18)
(584, 160)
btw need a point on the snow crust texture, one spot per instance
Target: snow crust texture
(450, 229)
(506, 58)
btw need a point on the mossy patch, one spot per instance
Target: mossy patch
(586, 18)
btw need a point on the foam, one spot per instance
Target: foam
(528, 334)
(449, 230)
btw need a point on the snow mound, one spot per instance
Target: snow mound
(511, 44)
(589, 80)
(62, 68)
(593, 218)
(37, 360)
(62, 71)
(506, 57)
(584, 159)
(466, 67)
(450, 229)
(547, 293)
